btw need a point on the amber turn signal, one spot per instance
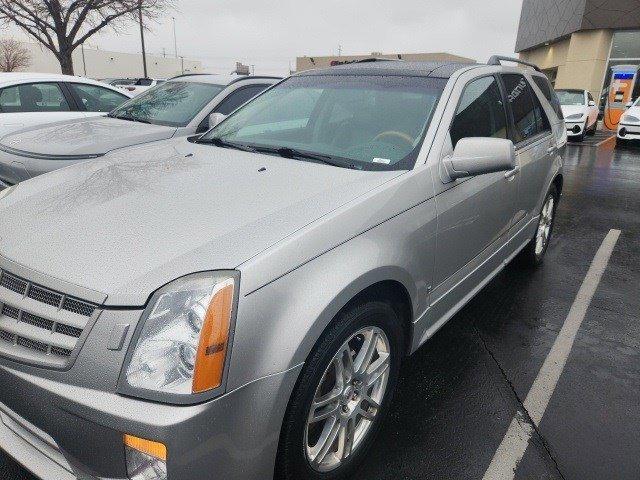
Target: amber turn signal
(214, 339)
(153, 449)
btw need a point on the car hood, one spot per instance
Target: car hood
(128, 223)
(573, 109)
(85, 136)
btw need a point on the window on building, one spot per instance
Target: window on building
(94, 98)
(33, 97)
(481, 112)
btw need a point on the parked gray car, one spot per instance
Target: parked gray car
(177, 108)
(238, 308)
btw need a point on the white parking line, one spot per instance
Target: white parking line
(515, 442)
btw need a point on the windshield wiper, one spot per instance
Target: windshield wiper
(130, 119)
(218, 142)
(293, 153)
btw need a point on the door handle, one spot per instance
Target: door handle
(512, 173)
(551, 149)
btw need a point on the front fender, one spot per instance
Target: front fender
(279, 324)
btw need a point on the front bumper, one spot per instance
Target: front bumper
(61, 431)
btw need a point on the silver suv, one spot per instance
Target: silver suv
(238, 308)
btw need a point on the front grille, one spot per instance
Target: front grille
(10, 312)
(37, 323)
(69, 331)
(76, 306)
(44, 296)
(13, 283)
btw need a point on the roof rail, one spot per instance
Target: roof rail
(377, 59)
(497, 60)
(189, 75)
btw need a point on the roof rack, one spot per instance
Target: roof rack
(497, 60)
(377, 59)
(189, 75)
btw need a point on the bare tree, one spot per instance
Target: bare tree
(13, 55)
(64, 25)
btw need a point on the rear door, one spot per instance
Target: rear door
(34, 103)
(536, 146)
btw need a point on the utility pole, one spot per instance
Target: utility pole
(144, 52)
(175, 38)
(182, 59)
(84, 61)
(339, 50)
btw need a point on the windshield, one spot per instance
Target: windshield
(364, 122)
(173, 104)
(570, 97)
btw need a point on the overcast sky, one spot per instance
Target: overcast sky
(271, 34)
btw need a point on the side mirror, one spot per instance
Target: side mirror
(216, 119)
(477, 156)
(592, 103)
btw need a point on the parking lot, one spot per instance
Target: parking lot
(460, 393)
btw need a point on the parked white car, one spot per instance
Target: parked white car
(580, 113)
(181, 107)
(30, 99)
(141, 85)
(629, 127)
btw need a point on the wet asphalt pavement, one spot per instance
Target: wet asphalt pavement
(459, 393)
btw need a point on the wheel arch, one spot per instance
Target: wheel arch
(558, 181)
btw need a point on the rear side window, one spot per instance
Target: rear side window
(98, 99)
(542, 120)
(239, 97)
(480, 112)
(550, 94)
(526, 119)
(33, 97)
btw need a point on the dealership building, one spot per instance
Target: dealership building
(576, 42)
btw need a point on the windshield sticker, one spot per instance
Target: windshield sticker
(384, 161)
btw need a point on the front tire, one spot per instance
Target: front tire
(342, 395)
(533, 254)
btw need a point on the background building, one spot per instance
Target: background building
(308, 63)
(577, 41)
(94, 63)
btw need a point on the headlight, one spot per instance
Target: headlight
(182, 346)
(575, 116)
(630, 119)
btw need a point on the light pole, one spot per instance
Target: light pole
(175, 38)
(144, 53)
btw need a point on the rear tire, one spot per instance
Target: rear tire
(533, 254)
(336, 369)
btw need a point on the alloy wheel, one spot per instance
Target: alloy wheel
(347, 399)
(544, 226)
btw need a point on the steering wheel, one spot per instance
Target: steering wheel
(396, 135)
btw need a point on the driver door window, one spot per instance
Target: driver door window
(97, 99)
(480, 113)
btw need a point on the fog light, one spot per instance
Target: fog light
(146, 460)
(622, 132)
(576, 129)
